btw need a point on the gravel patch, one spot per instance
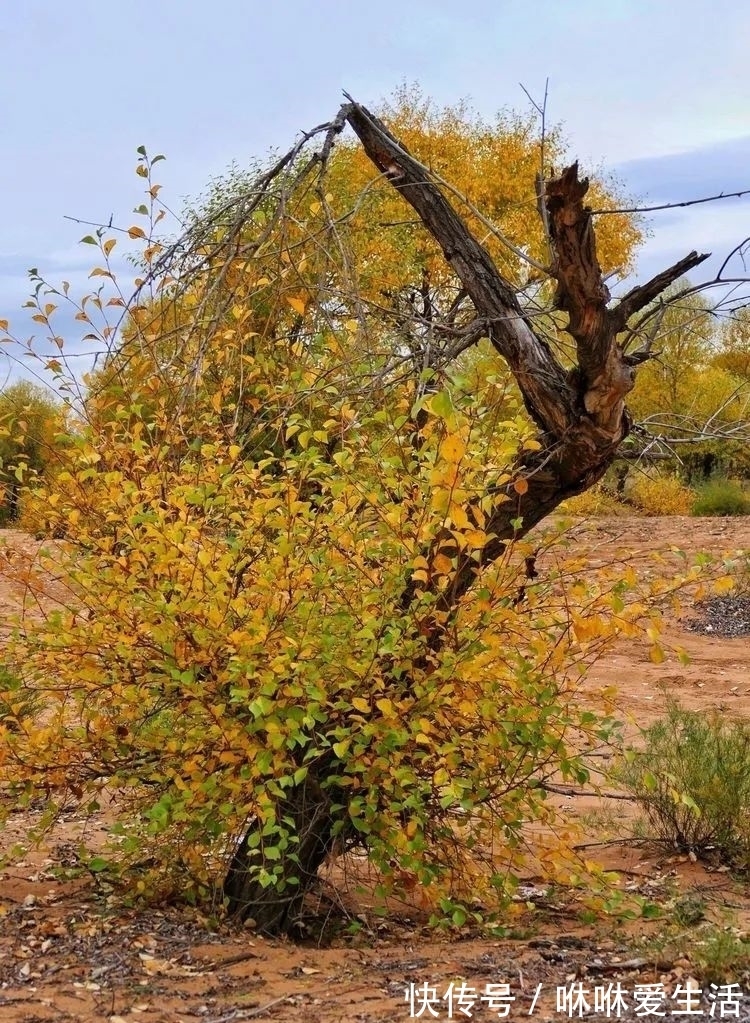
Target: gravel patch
(721, 616)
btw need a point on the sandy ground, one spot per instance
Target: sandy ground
(68, 954)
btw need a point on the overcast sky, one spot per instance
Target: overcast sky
(656, 90)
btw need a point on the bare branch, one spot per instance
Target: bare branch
(672, 205)
(539, 177)
(643, 294)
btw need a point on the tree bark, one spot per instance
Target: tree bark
(581, 413)
(306, 814)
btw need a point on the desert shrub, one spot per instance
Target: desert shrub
(597, 501)
(660, 495)
(721, 497)
(691, 778)
(721, 956)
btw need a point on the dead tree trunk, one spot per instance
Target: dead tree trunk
(580, 413)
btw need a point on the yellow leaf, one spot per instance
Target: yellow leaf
(656, 654)
(384, 706)
(136, 232)
(459, 518)
(475, 538)
(441, 564)
(361, 705)
(452, 449)
(109, 245)
(298, 304)
(521, 486)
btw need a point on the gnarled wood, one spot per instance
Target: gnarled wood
(581, 414)
(542, 380)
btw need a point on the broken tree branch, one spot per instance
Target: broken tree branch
(542, 380)
(642, 295)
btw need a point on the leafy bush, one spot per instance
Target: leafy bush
(289, 625)
(660, 495)
(722, 497)
(30, 421)
(692, 780)
(597, 501)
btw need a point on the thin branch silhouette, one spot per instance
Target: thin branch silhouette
(673, 205)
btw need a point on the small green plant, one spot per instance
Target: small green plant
(692, 781)
(722, 497)
(722, 957)
(718, 954)
(689, 910)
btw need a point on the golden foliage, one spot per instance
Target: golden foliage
(256, 474)
(661, 495)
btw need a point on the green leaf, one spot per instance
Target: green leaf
(441, 404)
(650, 911)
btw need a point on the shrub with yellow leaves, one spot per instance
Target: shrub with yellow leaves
(656, 494)
(261, 517)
